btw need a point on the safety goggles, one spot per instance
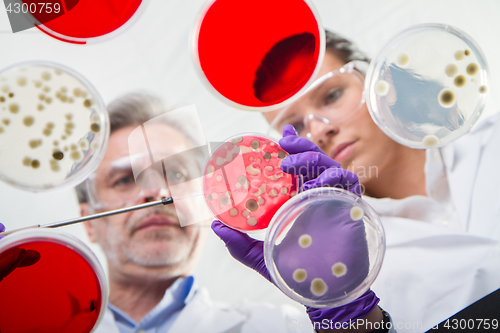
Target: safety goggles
(333, 97)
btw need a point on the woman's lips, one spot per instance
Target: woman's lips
(342, 151)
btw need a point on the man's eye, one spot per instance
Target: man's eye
(333, 96)
(123, 181)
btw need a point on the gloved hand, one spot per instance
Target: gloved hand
(16, 257)
(316, 168)
(249, 252)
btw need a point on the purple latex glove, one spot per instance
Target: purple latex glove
(316, 168)
(249, 252)
(2, 229)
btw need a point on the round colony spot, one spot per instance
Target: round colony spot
(87, 103)
(255, 144)
(46, 76)
(252, 205)
(451, 70)
(58, 155)
(35, 164)
(11, 95)
(381, 87)
(252, 221)
(483, 89)
(467, 52)
(284, 190)
(267, 156)
(460, 55)
(318, 287)
(339, 269)
(233, 212)
(273, 193)
(28, 121)
(403, 59)
(460, 81)
(305, 241)
(21, 81)
(357, 213)
(75, 155)
(430, 141)
(300, 275)
(40, 107)
(14, 108)
(446, 98)
(95, 127)
(472, 69)
(26, 161)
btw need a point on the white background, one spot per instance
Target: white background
(153, 55)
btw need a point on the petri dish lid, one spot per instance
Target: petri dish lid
(243, 184)
(56, 281)
(258, 55)
(54, 128)
(428, 86)
(87, 21)
(324, 247)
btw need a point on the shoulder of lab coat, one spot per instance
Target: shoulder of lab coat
(202, 314)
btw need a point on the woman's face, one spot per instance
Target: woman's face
(339, 124)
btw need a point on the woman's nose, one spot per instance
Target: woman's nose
(320, 129)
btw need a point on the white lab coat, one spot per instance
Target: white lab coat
(443, 251)
(201, 314)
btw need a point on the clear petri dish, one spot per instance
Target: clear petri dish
(86, 21)
(243, 184)
(258, 55)
(324, 247)
(428, 86)
(54, 280)
(54, 128)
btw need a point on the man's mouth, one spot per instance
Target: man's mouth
(156, 222)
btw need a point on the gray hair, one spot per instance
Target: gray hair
(343, 48)
(133, 109)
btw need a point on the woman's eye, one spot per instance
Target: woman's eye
(177, 175)
(333, 96)
(299, 127)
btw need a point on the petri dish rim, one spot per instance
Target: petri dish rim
(103, 118)
(194, 35)
(47, 235)
(300, 200)
(375, 65)
(92, 40)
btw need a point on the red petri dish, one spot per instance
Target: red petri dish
(83, 21)
(243, 184)
(56, 285)
(257, 55)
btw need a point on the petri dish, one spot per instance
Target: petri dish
(56, 281)
(258, 55)
(87, 21)
(324, 247)
(54, 127)
(428, 86)
(243, 184)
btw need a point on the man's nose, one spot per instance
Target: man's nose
(154, 186)
(321, 130)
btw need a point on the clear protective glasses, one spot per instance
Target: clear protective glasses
(118, 184)
(333, 97)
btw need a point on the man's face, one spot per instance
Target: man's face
(149, 241)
